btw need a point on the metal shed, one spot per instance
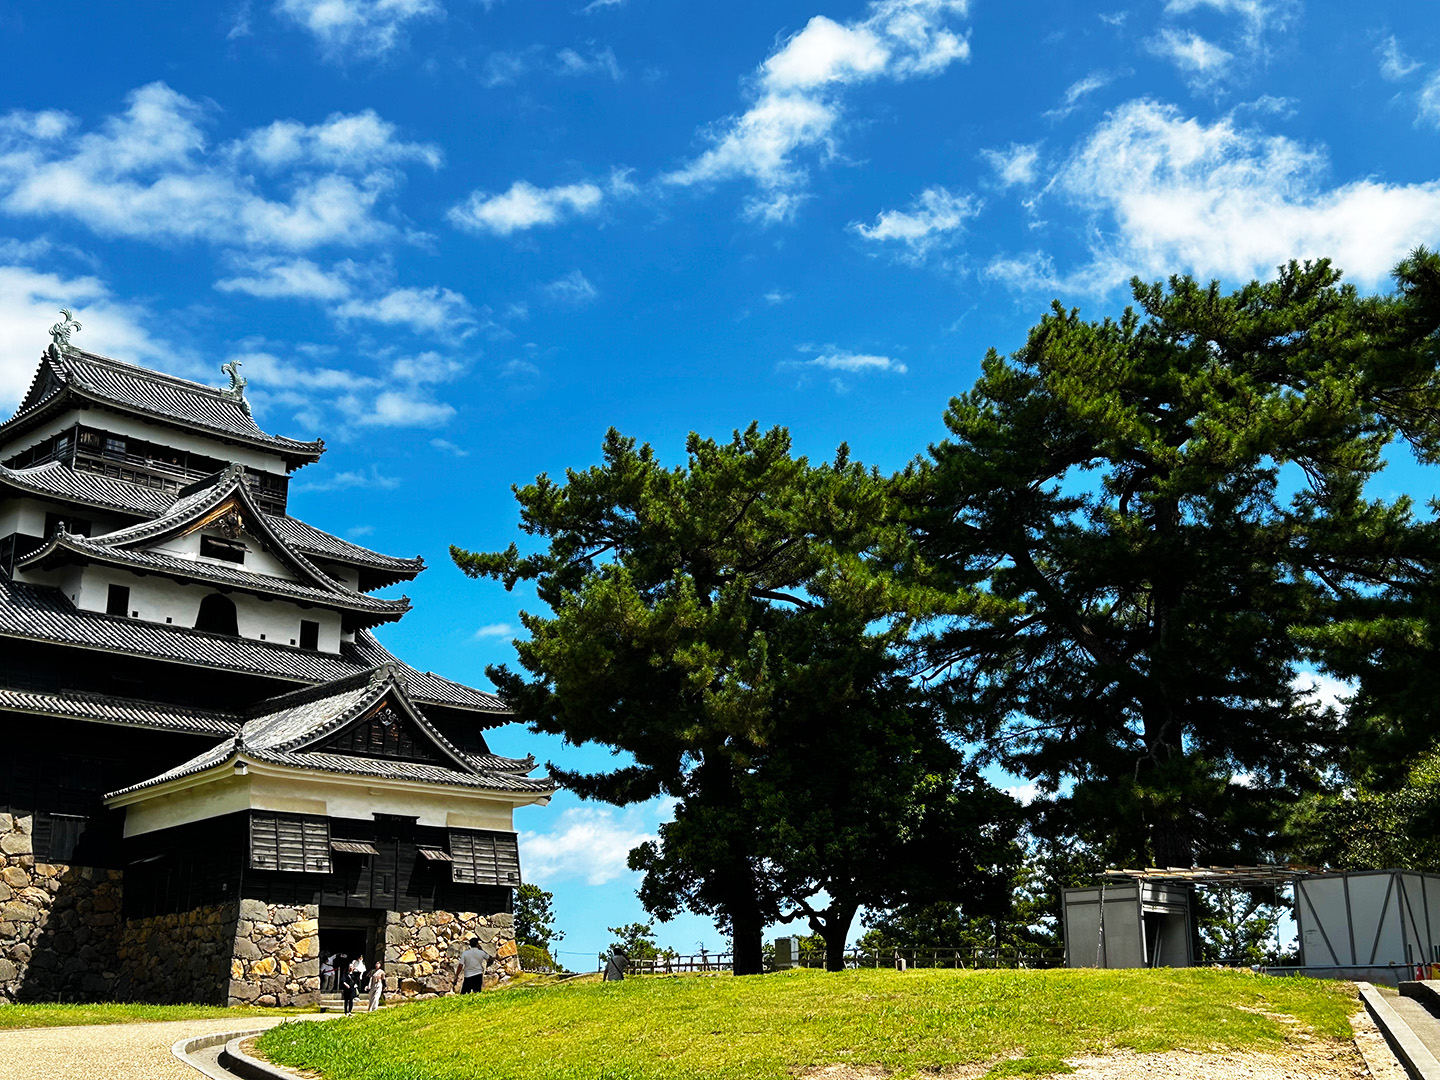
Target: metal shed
(1144, 925)
(1368, 919)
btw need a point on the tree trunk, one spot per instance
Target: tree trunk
(746, 928)
(837, 929)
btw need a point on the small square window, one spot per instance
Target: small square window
(117, 601)
(309, 634)
(215, 547)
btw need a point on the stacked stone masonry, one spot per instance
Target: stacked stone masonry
(59, 925)
(422, 949)
(276, 955)
(62, 938)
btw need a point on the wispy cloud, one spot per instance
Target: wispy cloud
(149, 174)
(798, 96)
(598, 62)
(1016, 165)
(449, 447)
(525, 206)
(357, 29)
(1201, 61)
(1078, 91)
(1394, 64)
(856, 363)
(494, 630)
(934, 219)
(1167, 193)
(573, 288)
(588, 843)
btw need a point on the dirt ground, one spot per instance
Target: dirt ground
(1367, 1058)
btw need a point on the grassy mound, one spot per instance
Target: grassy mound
(783, 1025)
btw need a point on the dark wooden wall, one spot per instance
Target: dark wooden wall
(207, 862)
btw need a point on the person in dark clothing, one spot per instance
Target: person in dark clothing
(349, 983)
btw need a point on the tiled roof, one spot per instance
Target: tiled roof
(281, 730)
(57, 481)
(114, 710)
(313, 541)
(65, 546)
(196, 505)
(40, 613)
(150, 394)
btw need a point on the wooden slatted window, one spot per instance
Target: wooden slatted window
(289, 842)
(384, 734)
(484, 858)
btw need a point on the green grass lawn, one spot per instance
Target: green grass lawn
(779, 1025)
(33, 1016)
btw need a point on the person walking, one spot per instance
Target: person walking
(377, 986)
(348, 983)
(472, 967)
(327, 973)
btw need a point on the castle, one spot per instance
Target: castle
(212, 772)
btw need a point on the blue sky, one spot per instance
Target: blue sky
(461, 238)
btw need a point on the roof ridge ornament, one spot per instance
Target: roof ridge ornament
(236, 390)
(60, 335)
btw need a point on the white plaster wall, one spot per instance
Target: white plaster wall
(157, 599)
(330, 796)
(105, 420)
(23, 516)
(257, 559)
(27, 515)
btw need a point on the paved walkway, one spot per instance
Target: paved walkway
(1422, 1022)
(110, 1051)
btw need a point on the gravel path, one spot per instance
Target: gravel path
(110, 1051)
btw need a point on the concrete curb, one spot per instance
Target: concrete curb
(1418, 1060)
(186, 1047)
(246, 1067)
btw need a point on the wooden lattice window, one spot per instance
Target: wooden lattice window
(484, 858)
(384, 734)
(289, 842)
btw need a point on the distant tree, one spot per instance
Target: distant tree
(1151, 524)
(535, 917)
(637, 941)
(732, 625)
(1366, 827)
(1237, 926)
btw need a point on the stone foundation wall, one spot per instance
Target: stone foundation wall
(179, 958)
(276, 955)
(422, 949)
(59, 925)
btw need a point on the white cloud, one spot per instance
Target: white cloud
(602, 62)
(1323, 691)
(1024, 794)
(519, 369)
(797, 95)
(355, 141)
(1394, 64)
(149, 173)
(525, 206)
(846, 362)
(357, 28)
(396, 408)
(29, 305)
(1430, 101)
(449, 447)
(599, 5)
(1078, 91)
(494, 630)
(1171, 194)
(273, 278)
(436, 310)
(1016, 165)
(776, 296)
(573, 288)
(1201, 60)
(934, 218)
(347, 481)
(589, 843)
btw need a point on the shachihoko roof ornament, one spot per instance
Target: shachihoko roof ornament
(236, 390)
(60, 334)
